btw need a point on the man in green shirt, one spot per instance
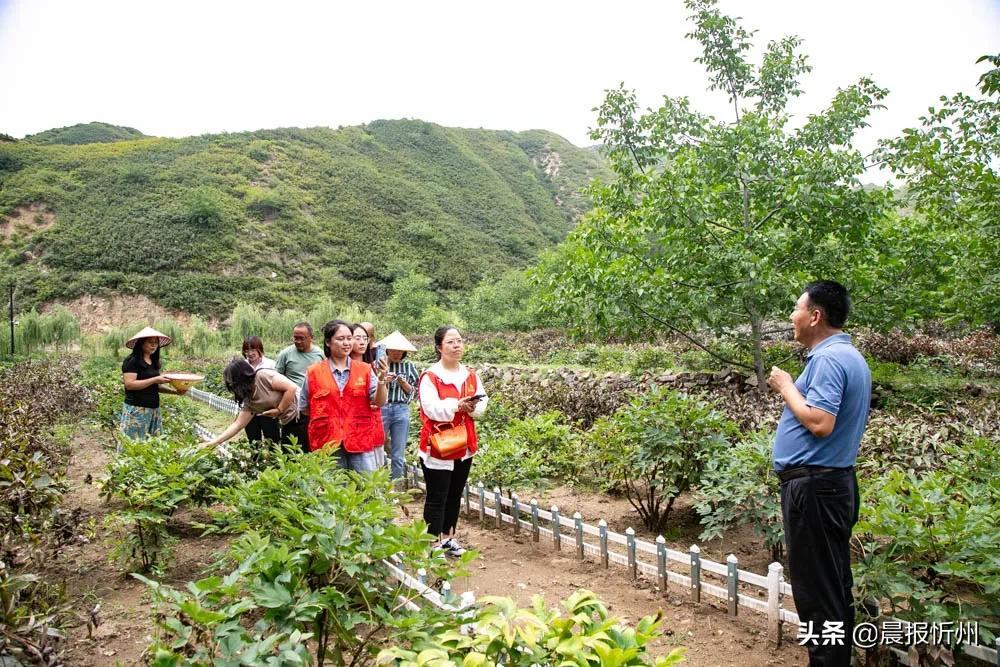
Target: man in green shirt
(292, 362)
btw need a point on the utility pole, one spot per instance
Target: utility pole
(12, 318)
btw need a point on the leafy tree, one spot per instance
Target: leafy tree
(715, 223)
(413, 306)
(507, 303)
(949, 167)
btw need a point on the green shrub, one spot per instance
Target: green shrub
(740, 487)
(149, 480)
(312, 541)
(929, 543)
(657, 447)
(35, 398)
(501, 634)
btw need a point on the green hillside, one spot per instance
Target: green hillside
(283, 216)
(85, 133)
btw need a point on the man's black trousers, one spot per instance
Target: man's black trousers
(818, 511)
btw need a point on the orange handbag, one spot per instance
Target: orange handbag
(450, 443)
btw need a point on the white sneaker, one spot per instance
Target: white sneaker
(451, 547)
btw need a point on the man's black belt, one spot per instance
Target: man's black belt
(788, 474)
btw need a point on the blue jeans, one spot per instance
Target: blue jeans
(364, 462)
(396, 424)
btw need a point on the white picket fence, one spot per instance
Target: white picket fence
(740, 589)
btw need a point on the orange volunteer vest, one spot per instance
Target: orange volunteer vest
(445, 390)
(335, 417)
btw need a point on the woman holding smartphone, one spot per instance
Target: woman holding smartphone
(451, 396)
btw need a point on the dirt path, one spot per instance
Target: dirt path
(126, 622)
(519, 568)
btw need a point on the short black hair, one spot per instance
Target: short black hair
(253, 343)
(304, 325)
(832, 299)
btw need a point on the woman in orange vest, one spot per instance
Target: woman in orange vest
(338, 393)
(451, 397)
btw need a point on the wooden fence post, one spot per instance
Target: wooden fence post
(468, 504)
(482, 502)
(534, 520)
(630, 546)
(422, 576)
(733, 584)
(774, 602)
(578, 525)
(556, 530)
(661, 563)
(515, 512)
(602, 527)
(499, 504)
(695, 573)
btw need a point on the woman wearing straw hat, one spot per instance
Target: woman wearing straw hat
(144, 384)
(402, 382)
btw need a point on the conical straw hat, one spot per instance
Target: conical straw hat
(397, 341)
(148, 332)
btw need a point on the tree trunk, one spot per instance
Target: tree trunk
(756, 327)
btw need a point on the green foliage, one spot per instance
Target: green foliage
(507, 303)
(581, 634)
(527, 452)
(948, 165)
(150, 480)
(284, 217)
(656, 448)
(929, 543)
(312, 541)
(413, 306)
(739, 488)
(703, 228)
(85, 133)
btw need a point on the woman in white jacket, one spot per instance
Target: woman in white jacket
(451, 397)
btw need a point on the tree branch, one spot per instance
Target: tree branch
(688, 337)
(769, 215)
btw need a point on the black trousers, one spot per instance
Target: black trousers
(818, 512)
(444, 496)
(300, 430)
(263, 428)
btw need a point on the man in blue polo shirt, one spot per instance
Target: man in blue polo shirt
(826, 411)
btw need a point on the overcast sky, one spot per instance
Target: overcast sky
(189, 67)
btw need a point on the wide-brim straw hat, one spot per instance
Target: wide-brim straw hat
(148, 332)
(397, 341)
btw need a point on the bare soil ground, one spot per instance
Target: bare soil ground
(508, 565)
(100, 314)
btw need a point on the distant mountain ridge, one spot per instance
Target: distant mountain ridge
(283, 216)
(85, 133)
